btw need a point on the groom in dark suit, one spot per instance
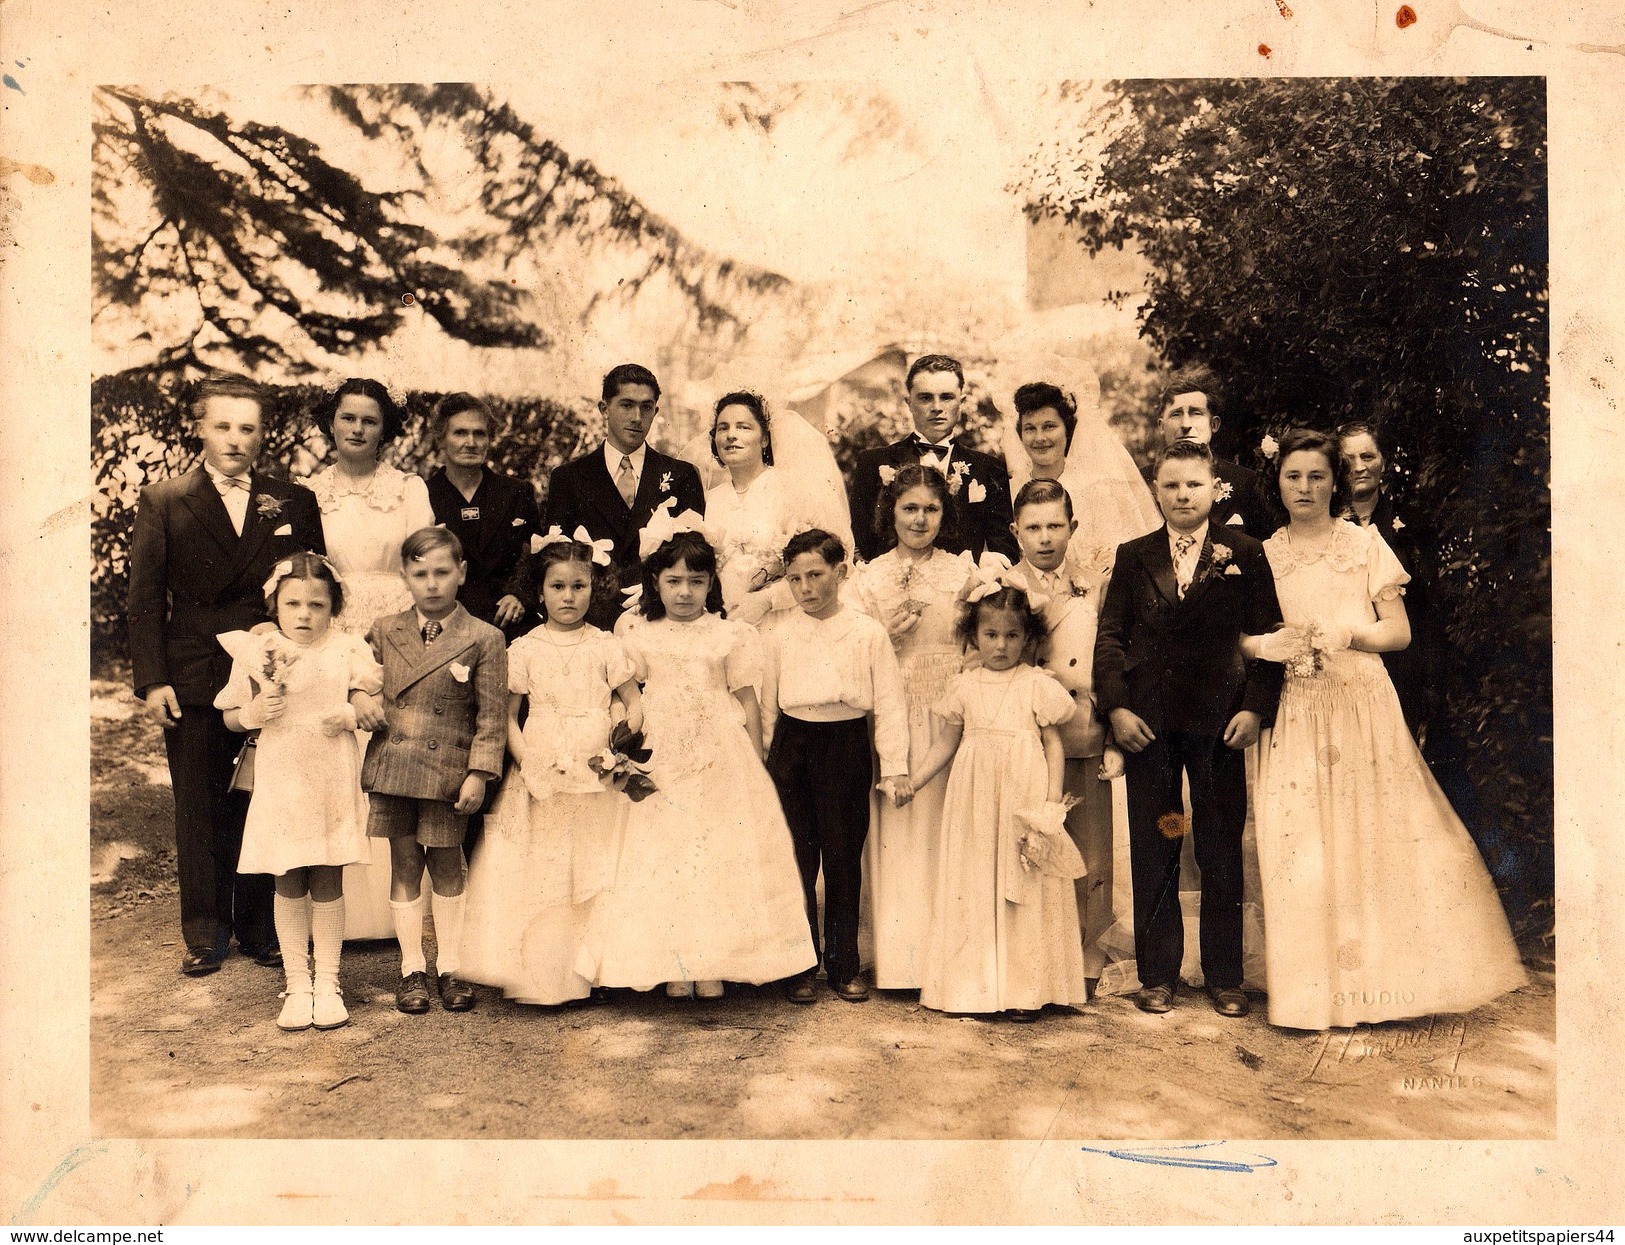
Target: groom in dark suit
(1170, 675)
(979, 482)
(203, 546)
(613, 490)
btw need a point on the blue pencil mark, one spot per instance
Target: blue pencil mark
(12, 83)
(76, 1156)
(1160, 1156)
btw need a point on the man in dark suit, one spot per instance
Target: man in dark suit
(614, 490)
(1182, 700)
(1189, 407)
(493, 515)
(203, 546)
(979, 482)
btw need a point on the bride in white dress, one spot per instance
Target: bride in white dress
(368, 508)
(1377, 902)
(766, 479)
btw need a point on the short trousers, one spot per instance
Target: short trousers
(434, 823)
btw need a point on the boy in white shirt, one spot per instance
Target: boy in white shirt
(828, 670)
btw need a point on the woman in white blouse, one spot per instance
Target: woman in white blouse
(368, 509)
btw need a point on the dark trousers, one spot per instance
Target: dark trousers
(1218, 789)
(216, 900)
(823, 771)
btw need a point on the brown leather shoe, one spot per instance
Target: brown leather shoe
(1022, 1015)
(1230, 1002)
(853, 990)
(412, 994)
(1155, 999)
(802, 989)
(200, 963)
(456, 995)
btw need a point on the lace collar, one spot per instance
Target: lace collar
(383, 491)
(1345, 551)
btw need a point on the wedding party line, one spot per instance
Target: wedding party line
(654, 736)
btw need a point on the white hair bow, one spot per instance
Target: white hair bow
(663, 525)
(992, 573)
(284, 568)
(601, 549)
(634, 597)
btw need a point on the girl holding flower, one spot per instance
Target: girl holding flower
(1384, 907)
(554, 832)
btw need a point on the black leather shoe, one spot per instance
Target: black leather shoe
(1155, 999)
(1021, 1015)
(265, 957)
(412, 994)
(802, 989)
(1231, 1002)
(853, 990)
(197, 963)
(456, 995)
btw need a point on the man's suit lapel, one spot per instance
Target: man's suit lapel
(257, 527)
(1204, 568)
(203, 500)
(600, 493)
(650, 494)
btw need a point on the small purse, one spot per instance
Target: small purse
(242, 769)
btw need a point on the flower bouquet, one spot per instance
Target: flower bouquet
(1309, 663)
(624, 765)
(1045, 847)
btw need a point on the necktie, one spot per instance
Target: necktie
(1182, 546)
(431, 631)
(226, 483)
(626, 481)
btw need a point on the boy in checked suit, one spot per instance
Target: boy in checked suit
(438, 740)
(204, 544)
(1183, 702)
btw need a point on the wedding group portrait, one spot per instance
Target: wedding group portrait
(660, 626)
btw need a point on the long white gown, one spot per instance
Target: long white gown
(363, 528)
(1377, 903)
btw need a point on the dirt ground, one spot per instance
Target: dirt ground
(179, 1057)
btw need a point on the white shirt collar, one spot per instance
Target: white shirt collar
(613, 456)
(1199, 535)
(217, 477)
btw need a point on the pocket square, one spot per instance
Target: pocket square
(517, 523)
(1232, 569)
(285, 530)
(1234, 520)
(458, 671)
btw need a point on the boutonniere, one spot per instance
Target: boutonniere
(977, 492)
(1077, 589)
(1222, 491)
(665, 481)
(458, 671)
(887, 474)
(1398, 523)
(1221, 554)
(269, 507)
(956, 479)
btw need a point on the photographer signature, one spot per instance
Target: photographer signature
(1179, 1156)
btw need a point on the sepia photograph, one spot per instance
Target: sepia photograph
(1314, 879)
(1031, 592)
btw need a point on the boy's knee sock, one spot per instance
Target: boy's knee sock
(327, 935)
(448, 932)
(408, 915)
(292, 920)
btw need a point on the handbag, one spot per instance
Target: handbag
(242, 769)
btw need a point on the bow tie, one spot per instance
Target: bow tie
(932, 447)
(226, 483)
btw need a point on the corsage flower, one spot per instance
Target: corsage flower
(1222, 491)
(1269, 447)
(887, 474)
(665, 481)
(624, 765)
(269, 507)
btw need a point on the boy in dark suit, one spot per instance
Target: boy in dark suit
(979, 482)
(613, 490)
(202, 548)
(438, 739)
(1182, 701)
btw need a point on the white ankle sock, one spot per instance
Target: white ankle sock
(327, 933)
(408, 914)
(448, 932)
(292, 920)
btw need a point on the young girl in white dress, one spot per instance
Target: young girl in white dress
(912, 589)
(307, 818)
(1004, 931)
(1377, 905)
(553, 834)
(368, 508)
(707, 889)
